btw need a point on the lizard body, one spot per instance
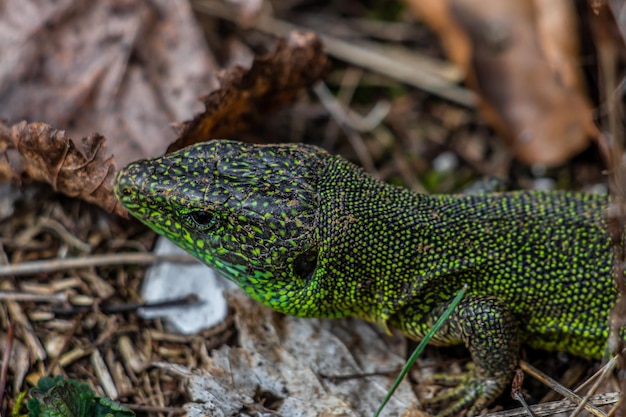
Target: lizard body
(311, 235)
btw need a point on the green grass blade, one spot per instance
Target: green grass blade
(418, 350)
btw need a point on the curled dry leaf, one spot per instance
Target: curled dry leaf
(528, 81)
(244, 97)
(78, 169)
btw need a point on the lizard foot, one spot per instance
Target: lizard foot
(471, 392)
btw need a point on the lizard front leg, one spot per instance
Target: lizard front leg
(488, 329)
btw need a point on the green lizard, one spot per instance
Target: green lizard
(311, 235)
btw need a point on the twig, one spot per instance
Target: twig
(125, 308)
(606, 370)
(346, 377)
(338, 113)
(55, 227)
(28, 335)
(356, 27)
(67, 337)
(52, 265)
(350, 79)
(551, 408)
(103, 374)
(550, 382)
(30, 297)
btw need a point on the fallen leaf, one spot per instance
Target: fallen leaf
(556, 22)
(41, 153)
(126, 69)
(529, 82)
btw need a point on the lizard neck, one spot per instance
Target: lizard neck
(370, 235)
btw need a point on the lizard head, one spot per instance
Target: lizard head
(249, 211)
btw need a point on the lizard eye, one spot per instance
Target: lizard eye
(305, 264)
(202, 219)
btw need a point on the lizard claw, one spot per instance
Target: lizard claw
(471, 392)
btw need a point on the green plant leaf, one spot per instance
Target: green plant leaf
(59, 397)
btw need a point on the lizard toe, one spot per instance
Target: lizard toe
(472, 393)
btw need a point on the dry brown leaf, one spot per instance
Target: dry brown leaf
(246, 96)
(536, 104)
(126, 69)
(39, 152)
(556, 24)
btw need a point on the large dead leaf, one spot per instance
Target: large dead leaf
(79, 169)
(521, 57)
(126, 69)
(245, 97)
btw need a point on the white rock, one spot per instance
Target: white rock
(169, 281)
